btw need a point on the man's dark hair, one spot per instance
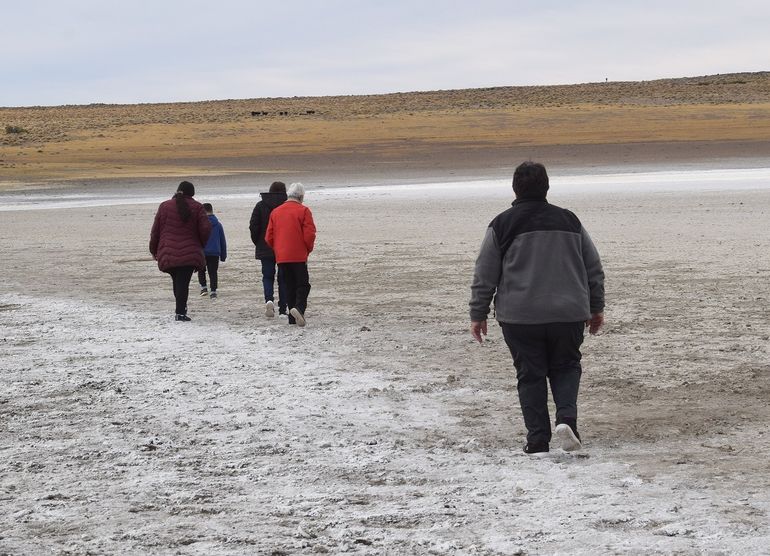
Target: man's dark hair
(207, 207)
(277, 187)
(530, 181)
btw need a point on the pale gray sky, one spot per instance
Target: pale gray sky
(83, 51)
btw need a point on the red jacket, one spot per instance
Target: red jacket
(291, 232)
(175, 243)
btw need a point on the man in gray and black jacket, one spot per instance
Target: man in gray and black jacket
(544, 273)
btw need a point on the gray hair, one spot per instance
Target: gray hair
(296, 191)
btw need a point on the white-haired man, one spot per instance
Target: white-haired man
(291, 234)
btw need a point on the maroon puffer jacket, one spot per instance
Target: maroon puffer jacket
(175, 243)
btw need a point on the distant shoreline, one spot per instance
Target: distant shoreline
(450, 164)
(252, 183)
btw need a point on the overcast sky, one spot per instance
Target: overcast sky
(128, 51)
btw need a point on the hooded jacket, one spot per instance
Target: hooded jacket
(540, 265)
(217, 244)
(175, 243)
(291, 232)
(260, 217)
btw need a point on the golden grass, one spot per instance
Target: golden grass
(102, 141)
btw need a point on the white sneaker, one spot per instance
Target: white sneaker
(298, 317)
(569, 442)
(269, 309)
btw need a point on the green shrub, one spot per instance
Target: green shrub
(15, 129)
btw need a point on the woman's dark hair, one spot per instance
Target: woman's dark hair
(185, 189)
(277, 187)
(530, 181)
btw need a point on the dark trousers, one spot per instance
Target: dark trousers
(545, 353)
(268, 282)
(297, 285)
(212, 265)
(180, 278)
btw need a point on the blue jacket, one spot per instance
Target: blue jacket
(217, 245)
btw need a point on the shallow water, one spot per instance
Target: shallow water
(153, 192)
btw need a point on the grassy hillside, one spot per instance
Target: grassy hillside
(99, 140)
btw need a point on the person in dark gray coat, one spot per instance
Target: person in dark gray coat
(545, 275)
(260, 217)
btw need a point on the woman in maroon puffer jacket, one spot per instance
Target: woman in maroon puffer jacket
(179, 233)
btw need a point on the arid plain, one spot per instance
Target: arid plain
(474, 131)
(382, 428)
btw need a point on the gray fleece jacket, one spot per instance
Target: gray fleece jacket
(540, 266)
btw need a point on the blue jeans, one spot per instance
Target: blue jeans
(268, 280)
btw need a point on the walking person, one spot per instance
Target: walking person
(179, 232)
(214, 251)
(260, 217)
(545, 275)
(291, 234)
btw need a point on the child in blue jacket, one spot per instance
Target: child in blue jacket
(215, 251)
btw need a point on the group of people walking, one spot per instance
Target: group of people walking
(187, 237)
(537, 263)
(283, 232)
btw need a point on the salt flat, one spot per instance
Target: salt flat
(382, 427)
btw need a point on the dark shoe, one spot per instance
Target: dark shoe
(213, 295)
(568, 436)
(204, 292)
(536, 448)
(183, 318)
(298, 316)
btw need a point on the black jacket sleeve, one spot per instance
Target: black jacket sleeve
(255, 226)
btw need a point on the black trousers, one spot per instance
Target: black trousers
(212, 265)
(297, 286)
(180, 278)
(544, 353)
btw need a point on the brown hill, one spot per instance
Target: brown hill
(457, 128)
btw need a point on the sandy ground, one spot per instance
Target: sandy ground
(381, 427)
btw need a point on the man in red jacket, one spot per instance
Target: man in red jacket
(291, 235)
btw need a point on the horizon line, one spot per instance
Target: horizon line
(389, 93)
